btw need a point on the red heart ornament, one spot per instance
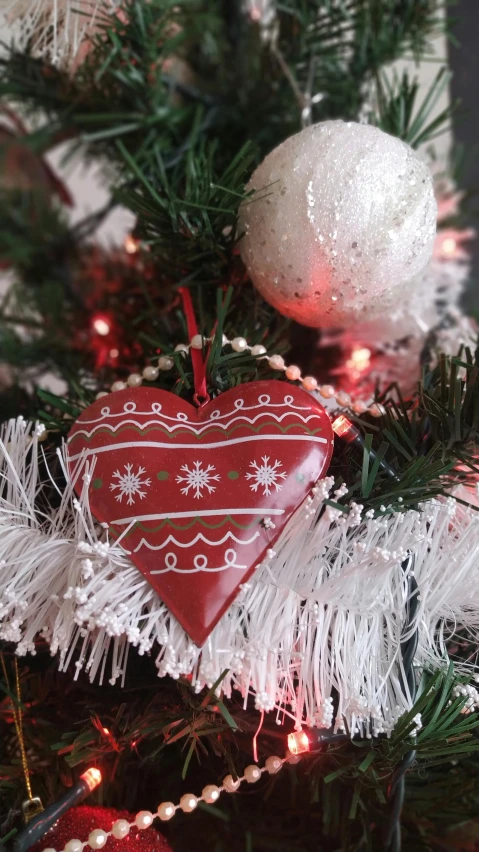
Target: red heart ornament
(200, 494)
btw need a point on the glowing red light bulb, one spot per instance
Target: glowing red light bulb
(343, 428)
(92, 778)
(131, 244)
(298, 742)
(359, 361)
(449, 246)
(101, 325)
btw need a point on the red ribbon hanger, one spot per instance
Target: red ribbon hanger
(199, 366)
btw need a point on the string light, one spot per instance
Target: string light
(101, 325)
(449, 246)
(298, 742)
(92, 778)
(346, 431)
(41, 823)
(359, 361)
(131, 244)
(303, 742)
(343, 428)
(166, 810)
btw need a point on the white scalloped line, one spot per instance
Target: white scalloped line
(199, 537)
(187, 424)
(213, 420)
(188, 571)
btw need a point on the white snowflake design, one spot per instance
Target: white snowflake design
(266, 475)
(198, 478)
(130, 484)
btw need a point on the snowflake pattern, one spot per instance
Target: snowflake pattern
(198, 478)
(130, 484)
(266, 475)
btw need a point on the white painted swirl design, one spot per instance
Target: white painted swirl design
(238, 404)
(200, 562)
(183, 423)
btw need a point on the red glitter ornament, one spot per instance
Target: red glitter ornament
(79, 822)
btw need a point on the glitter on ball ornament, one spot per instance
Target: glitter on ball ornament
(342, 219)
(79, 823)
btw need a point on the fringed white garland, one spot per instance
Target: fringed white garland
(55, 28)
(326, 613)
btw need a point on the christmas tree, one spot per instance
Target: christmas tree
(239, 597)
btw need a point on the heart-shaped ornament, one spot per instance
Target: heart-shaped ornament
(199, 495)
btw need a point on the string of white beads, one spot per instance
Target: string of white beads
(166, 810)
(276, 362)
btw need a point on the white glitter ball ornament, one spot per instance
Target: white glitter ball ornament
(343, 218)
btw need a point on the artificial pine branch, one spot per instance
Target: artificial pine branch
(162, 95)
(189, 221)
(399, 115)
(130, 87)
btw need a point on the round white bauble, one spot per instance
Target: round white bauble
(342, 218)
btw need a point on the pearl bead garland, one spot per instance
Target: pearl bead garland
(196, 341)
(74, 846)
(134, 380)
(143, 819)
(120, 829)
(230, 785)
(276, 362)
(252, 774)
(239, 344)
(150, 374)
(166, 810)
(97, 838)
(165, 363)
(188, 803)
(211, 793)
(273, 765)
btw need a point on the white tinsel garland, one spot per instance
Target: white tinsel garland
(327, 613)
(55, 28)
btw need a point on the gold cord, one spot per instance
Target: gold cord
(18, 722)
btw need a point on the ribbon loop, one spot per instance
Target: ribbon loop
(201, 395)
